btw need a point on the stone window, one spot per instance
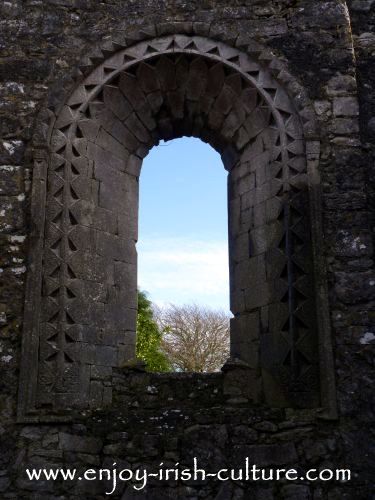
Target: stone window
(183, 225)
(81, 302)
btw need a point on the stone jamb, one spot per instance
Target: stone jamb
(310, 133)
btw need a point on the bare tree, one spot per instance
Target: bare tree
(196, 338)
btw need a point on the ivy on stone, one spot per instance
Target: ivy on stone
(149, 337)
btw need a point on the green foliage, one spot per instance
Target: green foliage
(149, 337)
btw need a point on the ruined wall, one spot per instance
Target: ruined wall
(42, 43)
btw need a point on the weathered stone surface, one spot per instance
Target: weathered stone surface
(82, 444)
(266, 455)
(345, 106)
(42, 43)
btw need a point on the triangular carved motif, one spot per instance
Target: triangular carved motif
(58, 218)
(72, 219)
(214, 51)
(151, 50)
(191, 46)
(70, 272)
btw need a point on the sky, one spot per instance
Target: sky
(183, 242)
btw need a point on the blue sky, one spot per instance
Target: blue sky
(182, 245)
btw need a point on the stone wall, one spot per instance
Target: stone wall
(172, 419)
(43, 43)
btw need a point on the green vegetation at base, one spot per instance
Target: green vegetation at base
(149, 337)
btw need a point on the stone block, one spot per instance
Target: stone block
(257, 121)
(133, 165)
(352, 288)
(233, 121)
(241, 138)
(247, 352)
(80, 188)
(260, 214)
(155, 100)
(275, 263)
(107, 142)
(273, 209)
(245, 183)
(126, 275)
(89, 129)
(94, 292)
(32, 433)
(166, 74)
(105, 355)
(278, 315)
(296, 492)
(267, 455)
(134, 124)
(215, 80)
(176, 101)
(261, 176)
(237, 301)
(341, 85)
(258, 295)
(91, 267)
(249, 271)
(345, 106)
(197, 79)
(117, 248)
(260, 162)
(246, 220)
(245, 328)
(107, 395)
(147, 77)
(344, 126)
(101, 372)
(5, 482)
(130, 88)
(264, 494)
(128, 337)
(11, 152)
(81, 236)
(126, 353)
(215, 119)
(124, 295)
(116, 102)
(105, 160)
(11, 180)
(224, 101)
(123, 317)
(240, 247)
(128, 223)
(206, 103)
(117, 179)
(144, 113)
(235, 372)
(258, 241)
(112, 196)
(12, 216)
(79, 444)
(96, 394)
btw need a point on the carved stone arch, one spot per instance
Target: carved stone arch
(81, 300)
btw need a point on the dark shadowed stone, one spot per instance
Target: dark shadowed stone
(264, 494)
(296, 492)
(4, 483)
(314, 61)
(266, 455)
(132, 494)
(83, 444)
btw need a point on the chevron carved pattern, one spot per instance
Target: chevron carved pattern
(164, 88)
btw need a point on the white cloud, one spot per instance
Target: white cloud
(183, 270)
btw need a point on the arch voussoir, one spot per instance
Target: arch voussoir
(163, 87)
